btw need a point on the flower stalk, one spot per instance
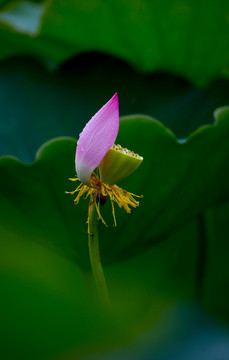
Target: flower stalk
(94, 253)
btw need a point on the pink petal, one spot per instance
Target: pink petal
(96, 139)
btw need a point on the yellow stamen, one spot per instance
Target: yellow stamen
(99, 213)
(98, 189)
(113, 211)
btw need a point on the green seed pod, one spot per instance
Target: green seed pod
(117, 164)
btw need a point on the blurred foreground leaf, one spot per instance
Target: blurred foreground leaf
(49, 315)
(47, 312)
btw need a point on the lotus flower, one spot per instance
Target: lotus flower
(96, 149)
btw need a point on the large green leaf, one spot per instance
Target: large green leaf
(187, 37)
(178, 181)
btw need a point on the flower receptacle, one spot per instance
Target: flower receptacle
(117, 164)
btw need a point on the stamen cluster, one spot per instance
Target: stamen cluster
(98, 190)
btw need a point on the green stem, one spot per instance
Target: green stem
(97, 270)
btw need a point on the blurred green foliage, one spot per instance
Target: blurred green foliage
(188, 37)
(171, 254)
(37, 105)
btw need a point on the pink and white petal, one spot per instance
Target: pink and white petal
(96, 139)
